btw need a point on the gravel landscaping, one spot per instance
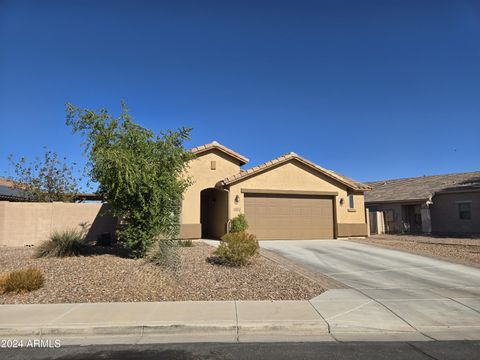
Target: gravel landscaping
(108, 277)
(460, 250)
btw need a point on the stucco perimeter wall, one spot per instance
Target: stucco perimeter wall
(203, 178)
(295, 176)
(26, 223)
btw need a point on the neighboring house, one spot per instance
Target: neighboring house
(286, 198)
(8, 192)
(448, 204)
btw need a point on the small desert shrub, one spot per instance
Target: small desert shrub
(166, 254)
(239, 223)
(237, 249)
(63, 243)
(185, 243)
(21, 281)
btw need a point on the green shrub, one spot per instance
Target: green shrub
(21, 281)
(185, 243)
(63, 243)
(237, 248)
(137, 240)
(239, 223)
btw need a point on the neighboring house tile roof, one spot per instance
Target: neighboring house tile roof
(355, 185)
(6, 182)
(215, 145)
(8, 193)
(421, 188)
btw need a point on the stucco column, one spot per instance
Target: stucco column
(367, 218)
(426, 219)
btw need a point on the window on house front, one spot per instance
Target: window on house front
(213, 165)
(464, 212)
(351, 202)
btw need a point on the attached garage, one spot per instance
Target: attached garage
(290, 216)
(291, 198)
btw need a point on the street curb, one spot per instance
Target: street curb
(114, 330)
(270, 332)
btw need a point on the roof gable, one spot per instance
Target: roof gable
(215, 145)
(269, 165)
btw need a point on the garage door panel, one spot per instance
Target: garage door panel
(275, 216)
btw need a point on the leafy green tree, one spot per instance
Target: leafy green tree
(45, 179)
(140, 174)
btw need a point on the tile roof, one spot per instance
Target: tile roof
(6, 182)
(355, 185)
(8, 193)
(421, 188)
(215, 145)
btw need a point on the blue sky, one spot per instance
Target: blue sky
(371, 89)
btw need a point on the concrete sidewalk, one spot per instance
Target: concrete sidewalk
(214, 321)
(336, 315)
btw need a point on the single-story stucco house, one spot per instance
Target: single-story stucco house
(441, 204)
(286, 198)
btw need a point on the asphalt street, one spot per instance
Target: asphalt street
(461, 350)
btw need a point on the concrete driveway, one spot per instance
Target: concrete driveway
(398, 290)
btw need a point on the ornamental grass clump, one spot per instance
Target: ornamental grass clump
(63, 243)
(185, 243)
(21, 281)
(237, 249)
(166, 255)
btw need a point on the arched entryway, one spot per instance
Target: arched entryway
(213, 212)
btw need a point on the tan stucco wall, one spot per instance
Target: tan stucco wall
(203, 178)
(31, 223)
(298, 177)
(444, 213)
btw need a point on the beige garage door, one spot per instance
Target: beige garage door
(284, 217)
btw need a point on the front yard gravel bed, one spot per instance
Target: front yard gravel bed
(460, 250)
(111, 278)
